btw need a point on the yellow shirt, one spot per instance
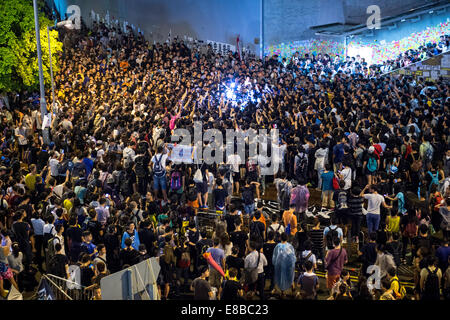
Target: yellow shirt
(67, 205)
(30, 181)
(395, 286)
(393, 224)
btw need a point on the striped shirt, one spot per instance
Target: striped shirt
(356, 205)
(316, 237)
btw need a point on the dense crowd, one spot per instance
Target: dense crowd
(104, 195)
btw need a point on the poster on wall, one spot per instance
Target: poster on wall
(445, 62)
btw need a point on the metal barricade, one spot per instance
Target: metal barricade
(64, 289)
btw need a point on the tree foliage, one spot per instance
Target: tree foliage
(18, 52)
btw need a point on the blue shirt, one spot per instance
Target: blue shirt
(327, 181)
(401, 203)
(89, 165)
(338, 151)
(442, 253)
(333, 227)
(38, 226)
(217, 254)
(135, 244)
(89, 246)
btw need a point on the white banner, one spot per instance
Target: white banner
(180, 153)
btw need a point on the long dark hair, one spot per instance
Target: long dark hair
(15, 249)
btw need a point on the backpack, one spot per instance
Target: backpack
(434, 179)
(157, 168)
(301, 162)
(372, 165)
(444, 185)
(51, 252)
(168, 254)
(287, 230)
(342, 200)
(175, 181)
(331, 235)
(247, 196)
(79, 170)
(192, 194)
(139, 168)
(251, 165)
(410, 230)
(431, 288)
(416, 165)
(255, 230)
(55, 268)
(429, 151)
(303, 260)
(48, 235)
(277, 233)
(336, 183)
(123, 183)
(185, 260)
(396, 253)
(63, 167)
(285, 196)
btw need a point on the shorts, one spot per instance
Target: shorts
(253, 176)
(342, 215)
(215, 278)
(236, 176)
(193, 204)
(201, 187)
(160, 183)
(5, 272)
(331, 280)
(368, 173)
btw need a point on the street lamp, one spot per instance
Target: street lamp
(51, 67)
(45, 130)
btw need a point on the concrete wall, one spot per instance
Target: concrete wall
(217, 20)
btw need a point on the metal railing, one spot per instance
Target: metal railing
(64, 289)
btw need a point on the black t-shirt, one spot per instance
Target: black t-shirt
(230, 290)
(42, 159)
(231, 219)
(147, 237)
(369, 254)
(74, 234)
(203, 243)
(268, 249)
(235, 262)
(193, 236)
(201, 289)
(301, 238)
(95, 227)
(86, 275)
(219, 196)
(419, 242)
(21, 232)
(239, 239)
(248, 194)
(129, 257)
(57, 265)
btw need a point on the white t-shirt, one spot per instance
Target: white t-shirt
(54, 167)
(375, 201)
(347, 176)
(49, 228)
(235, 161)
(162, 160)
(274, 227)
